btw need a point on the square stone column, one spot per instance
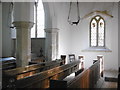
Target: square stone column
(23, 42)
(51, 44)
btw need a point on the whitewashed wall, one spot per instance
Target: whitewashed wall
(74, 39)
(65, 34)
(81, 41)
(23, 11)
(6, 31)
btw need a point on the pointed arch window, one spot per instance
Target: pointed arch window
(38, 29)
(97, 32)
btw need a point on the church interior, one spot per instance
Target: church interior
(59, 44)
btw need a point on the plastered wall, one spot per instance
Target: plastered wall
(75, 39)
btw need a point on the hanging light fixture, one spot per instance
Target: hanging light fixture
(78, 15)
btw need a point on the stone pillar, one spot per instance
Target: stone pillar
(51, 44)
(23, 22)
(23, 42)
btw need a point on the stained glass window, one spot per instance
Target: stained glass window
(97, 31)
(93, 33)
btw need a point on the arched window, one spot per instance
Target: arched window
(38, 29)
(97, 32)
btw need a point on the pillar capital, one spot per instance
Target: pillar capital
(51, 30)
(23, 24)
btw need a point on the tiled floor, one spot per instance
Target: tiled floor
(105, 84)
(108, 84)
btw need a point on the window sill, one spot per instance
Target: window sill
(97, 49)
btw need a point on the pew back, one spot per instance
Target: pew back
(80, 81)
(94, 73)
(88, 78)
(22, 72)
(8, 63)
(41, 79)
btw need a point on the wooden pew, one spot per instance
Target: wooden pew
(22, 72)
(80, 81)
(8, 63)
(94, 73)
(86, 79)
(41, 79)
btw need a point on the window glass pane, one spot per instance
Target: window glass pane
(33, 32)
(40, 20)
(13, 33)
(101, 33)
(97, 17)
(13, 30)
(40, 32)
(93, 33)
